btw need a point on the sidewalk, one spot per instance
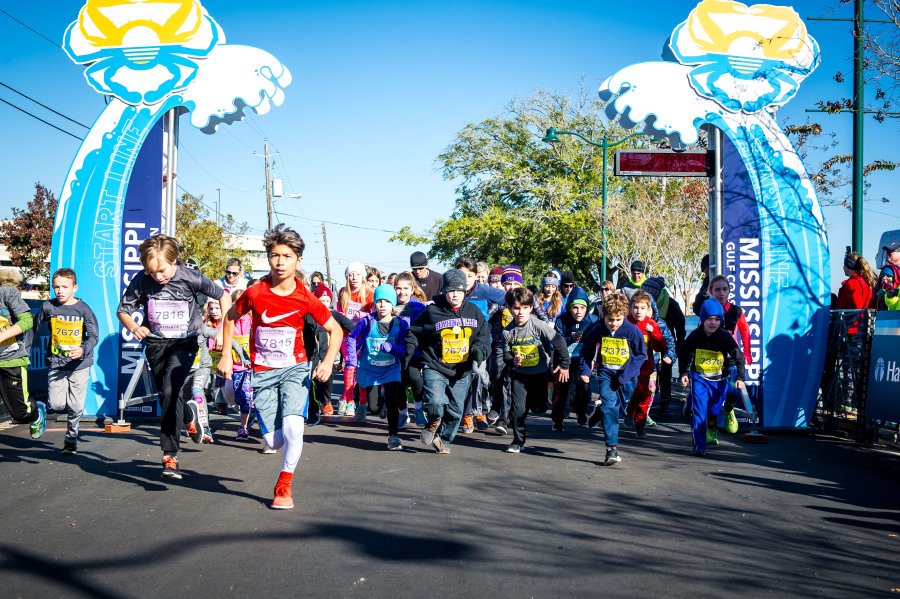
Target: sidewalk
(799, 516)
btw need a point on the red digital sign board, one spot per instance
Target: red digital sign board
(663, 163)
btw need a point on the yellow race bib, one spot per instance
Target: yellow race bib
(65, 335)
(244, 342)
(709, 363)
(455, 345)
(614, 353)
(529, 353)
(5, 324)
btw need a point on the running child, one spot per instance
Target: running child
(572, 326)
(525, 342)
(452, 335)
(239, 389)
(410, 303)
(382, 343)
(278, 306)
(707, 355)
(551, 299)
(736, 324)
(641, 316)
(73, 336)
(315, 340)
(167, 293)
(617, 347)
(354, 302)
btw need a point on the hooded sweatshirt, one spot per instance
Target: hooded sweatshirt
(573, 330)
(710, 356)
(450, 339)
(619, 354)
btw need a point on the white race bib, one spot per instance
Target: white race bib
(275, 347)
(169, 318)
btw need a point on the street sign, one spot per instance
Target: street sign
(663, 163)
(883, 397)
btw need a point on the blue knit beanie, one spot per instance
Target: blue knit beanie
(386, 292)
(711, 307)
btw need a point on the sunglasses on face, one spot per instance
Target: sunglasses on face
(232, 273)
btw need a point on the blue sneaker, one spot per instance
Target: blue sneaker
(362, 410)
(39, 426)
(404, 418)
(420, 417)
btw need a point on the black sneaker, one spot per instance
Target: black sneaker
(500, 427)
(69, 448)
(493, 417)
(222, 409)
(556, 427)
(313, 420)
(697, 453)
(595, 417)
(641, 433)
(612, 456)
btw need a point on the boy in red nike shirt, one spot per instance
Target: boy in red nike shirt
(641, 315)
(278, 305)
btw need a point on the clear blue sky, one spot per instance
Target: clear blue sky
(379, 90)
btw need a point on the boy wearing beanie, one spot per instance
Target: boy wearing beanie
(706, 357)
(572, 326)
(619, 350)
(378, 347)
(452, 335)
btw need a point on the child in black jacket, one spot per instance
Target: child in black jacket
(706, 357)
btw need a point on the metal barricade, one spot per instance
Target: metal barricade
(841, 408)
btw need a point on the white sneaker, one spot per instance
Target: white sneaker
(268, 450)
(393, 443)
(513, 448)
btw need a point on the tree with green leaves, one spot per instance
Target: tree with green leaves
(208, 242)
(28, 235)
(526, 202)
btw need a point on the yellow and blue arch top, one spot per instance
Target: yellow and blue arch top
(141, 51)
(746, 57)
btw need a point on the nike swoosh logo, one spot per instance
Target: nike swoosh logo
(271, 319)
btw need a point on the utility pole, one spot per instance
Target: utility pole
(327, 261)
(859, 87)
(268, 185)
(218, 205)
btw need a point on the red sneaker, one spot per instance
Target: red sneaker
(327, 409)
(284, 499)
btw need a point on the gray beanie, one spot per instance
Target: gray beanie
(454, 280)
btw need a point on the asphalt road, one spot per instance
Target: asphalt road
(799, 516)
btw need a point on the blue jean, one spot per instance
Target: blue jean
(444, 400)
(707, 399)
(612, 399)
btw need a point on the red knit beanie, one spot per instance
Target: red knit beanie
(322, 289)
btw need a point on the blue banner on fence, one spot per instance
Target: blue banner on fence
(883, 398)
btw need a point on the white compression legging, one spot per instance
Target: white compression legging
(290, 436)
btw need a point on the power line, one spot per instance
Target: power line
(330, 222)
(56, 112)
(30, 28)
(212, 176)
(34, 116)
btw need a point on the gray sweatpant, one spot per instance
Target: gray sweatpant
(66, 390)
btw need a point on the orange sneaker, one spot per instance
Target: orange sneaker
(327, 409)
(170, 467)
(284, 499)
(481, 422)
(467, 425)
